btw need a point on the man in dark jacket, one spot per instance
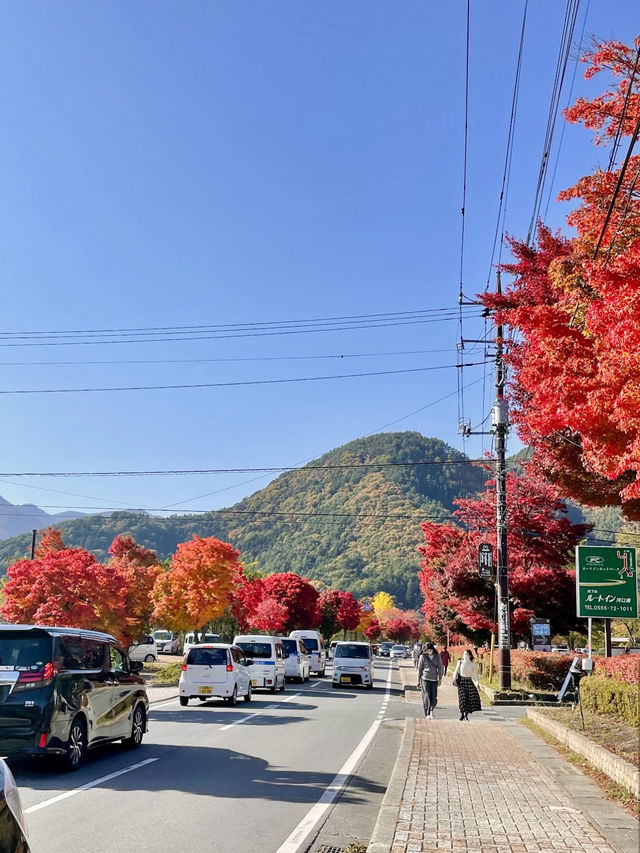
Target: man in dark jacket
(429, 677)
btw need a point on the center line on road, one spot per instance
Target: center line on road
(299, 835)
(88, 785)
(258, 713)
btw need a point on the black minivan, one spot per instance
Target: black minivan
(64, 690)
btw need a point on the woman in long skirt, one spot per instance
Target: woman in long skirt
(466, 679)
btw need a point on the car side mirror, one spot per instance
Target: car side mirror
(136, 665)
(248, 662)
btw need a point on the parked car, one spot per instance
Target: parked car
(13, 830)
(384, 649)
(144, 649)
(66, 690)
(296, 659)
(398, 652)
(167, 642)
(331, 649)
(191, 639)
(561, 650)
(314, 642)
(215, 670)
(352, 664)
(267, 669)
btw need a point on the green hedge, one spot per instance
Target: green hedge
(609, 696)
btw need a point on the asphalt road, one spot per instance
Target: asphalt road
(264, 776)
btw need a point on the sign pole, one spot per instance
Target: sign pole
(589, 641)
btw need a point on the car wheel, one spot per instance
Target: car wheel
(149, 658)
(76, 745)
(137, 729)
(273, 687)
(321, 674)
(247, 698)
(184, 701)
(334, 684)
(231, 700)
(369, 686)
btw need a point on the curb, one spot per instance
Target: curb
(617, 769)
(384, 830)
(161, 699)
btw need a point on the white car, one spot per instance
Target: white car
(144, 649)
(215, 670)
(352, 664)
(398, 652)
(167, 642)
(296, 659)
(191, 639)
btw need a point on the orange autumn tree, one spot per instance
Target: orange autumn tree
(199, 585)
(51, 540)
(576, 303)
(138, 567)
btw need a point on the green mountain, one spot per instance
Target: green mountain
(353, 528)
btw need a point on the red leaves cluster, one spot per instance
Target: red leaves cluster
(541, 542)
(402, 630)
(576, 372)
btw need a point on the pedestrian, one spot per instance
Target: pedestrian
(466, 679)
(429, 677)
(445, 657)
(417, 648)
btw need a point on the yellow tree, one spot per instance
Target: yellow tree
(199, 585)
(383, 606)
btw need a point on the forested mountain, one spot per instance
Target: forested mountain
(354, 528)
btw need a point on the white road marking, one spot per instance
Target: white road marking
(258, 713)
(88, 785)
(152, 707)
(299, 835)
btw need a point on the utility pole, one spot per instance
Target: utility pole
(500, 427)
(33, 544)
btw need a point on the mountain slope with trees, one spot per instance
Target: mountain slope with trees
(352, 528)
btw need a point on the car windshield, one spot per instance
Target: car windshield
(162, 636)
(290, 647)
(207, 657)
(256, 650)
(311, 643)
(351, 650)
(19, 650)
(398, 649)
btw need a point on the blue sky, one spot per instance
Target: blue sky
(207, 163)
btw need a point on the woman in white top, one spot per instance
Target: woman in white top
(466, 678)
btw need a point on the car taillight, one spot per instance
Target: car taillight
(43, 740)
(229, 667)
(184, 667)
(36, 680)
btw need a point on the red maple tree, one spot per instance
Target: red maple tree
(138, 568)
(575, 389)
(51, 541)
(269, 616)
(66, 587)
(402, 630)
(299, 597)
(373, 631)
(349, 612)
(541, 542)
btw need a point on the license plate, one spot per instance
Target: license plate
(254, 682)
(205, 690)
(345, 679)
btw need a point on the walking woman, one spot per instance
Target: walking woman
(429, 677)
(466, 679)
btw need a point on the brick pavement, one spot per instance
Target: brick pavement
(472, 788)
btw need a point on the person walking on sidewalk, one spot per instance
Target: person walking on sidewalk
(429, 677)
(417, 648)
(445, 657)
(466, 679)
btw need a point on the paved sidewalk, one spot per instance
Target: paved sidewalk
(161, 694)
(478, 787)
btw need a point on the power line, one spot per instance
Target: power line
(274, 469)
(234, 384)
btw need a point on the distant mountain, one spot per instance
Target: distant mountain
(19, 518)
(355, 528)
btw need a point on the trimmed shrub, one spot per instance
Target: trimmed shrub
(539, 670)
(622, 667)
(610, 696)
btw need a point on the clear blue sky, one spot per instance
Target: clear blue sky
(201, 163)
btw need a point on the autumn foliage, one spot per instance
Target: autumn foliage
(541, 542)
(575, 301)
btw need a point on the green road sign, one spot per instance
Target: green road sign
(606, 582)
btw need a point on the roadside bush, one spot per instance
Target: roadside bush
(169, 673)
(537, 670)
(612, 697)
(622, 667)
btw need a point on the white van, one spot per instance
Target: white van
(314, 642)
(296, 659)
(191, 639)
(353, 664)
(214, 669)
(268, 668)
(144, 649)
